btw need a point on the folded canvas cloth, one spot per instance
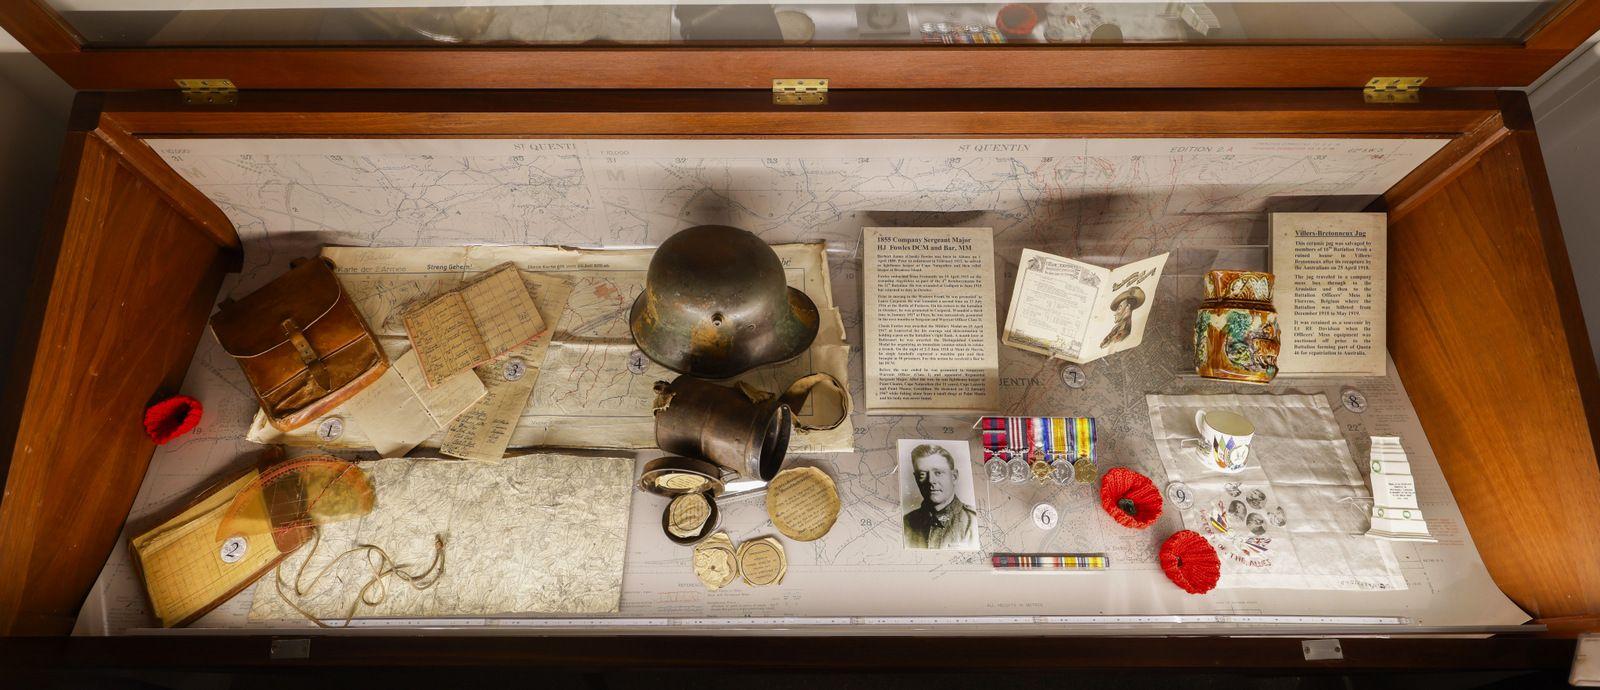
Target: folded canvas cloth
(1295, 517)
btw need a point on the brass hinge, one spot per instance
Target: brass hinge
(799, 91)
(1393, 89)
(208, 91)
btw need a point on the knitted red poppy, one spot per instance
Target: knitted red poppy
(171, 418)
(1130, 498)
(1190, 562)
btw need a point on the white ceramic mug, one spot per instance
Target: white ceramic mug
(1224, 443)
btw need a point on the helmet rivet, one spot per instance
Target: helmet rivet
(716, 319)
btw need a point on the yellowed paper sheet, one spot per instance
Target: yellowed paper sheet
(393, 418)
(715, 562)
(539, 533)
(930, 320)
(483, 432)
(687, 514)
(185, 566)
(457, 393)
(803, 503)
(1330, 292)
(502, 309)
(762, 562)
(445, 338)
(483, 319)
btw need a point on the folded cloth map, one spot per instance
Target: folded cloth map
(529, 534)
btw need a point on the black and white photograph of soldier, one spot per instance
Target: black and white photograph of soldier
(936, 495)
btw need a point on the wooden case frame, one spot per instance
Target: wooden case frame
(1297, 64)
(134, 256)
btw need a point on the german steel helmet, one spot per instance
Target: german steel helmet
(715, 305)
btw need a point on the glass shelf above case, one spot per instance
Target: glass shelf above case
(420, 23)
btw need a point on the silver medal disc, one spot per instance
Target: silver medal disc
(1018, 470)
(996, 469)
(1061, 471)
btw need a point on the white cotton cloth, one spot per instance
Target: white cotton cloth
(1296, 515)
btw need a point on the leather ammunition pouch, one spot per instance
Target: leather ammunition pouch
(301, 343)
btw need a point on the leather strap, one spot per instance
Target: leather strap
(308, 354)
(800, 391)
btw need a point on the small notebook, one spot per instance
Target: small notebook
(473, 324)
(188, 571)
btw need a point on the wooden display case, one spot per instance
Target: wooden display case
(1484, 322)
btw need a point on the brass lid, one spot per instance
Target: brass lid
(673, 476)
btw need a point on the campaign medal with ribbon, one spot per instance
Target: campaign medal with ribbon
(1040, 452)
(1039, 448)
(1083, 435)
(1018, 432)
(995, 453)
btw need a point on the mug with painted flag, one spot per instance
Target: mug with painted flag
(1224, 443)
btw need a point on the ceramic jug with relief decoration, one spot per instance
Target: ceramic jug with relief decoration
(1236, 334)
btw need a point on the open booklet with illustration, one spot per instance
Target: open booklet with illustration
(1080, 312)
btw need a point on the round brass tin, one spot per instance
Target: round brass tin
(676, 478)
(712, 523)
(673, 476)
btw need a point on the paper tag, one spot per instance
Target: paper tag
(1586, 662)
(1183, 498)
(1354, 400)
(330, 429)
(514, 368)
(233, 550)
(1045, 516)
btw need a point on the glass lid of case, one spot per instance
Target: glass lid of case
(155, 23)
